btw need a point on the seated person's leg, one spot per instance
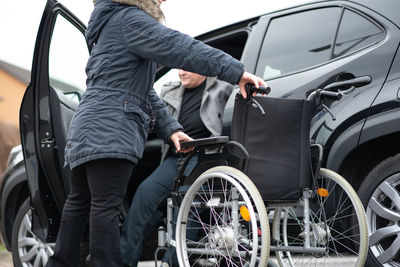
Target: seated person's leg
(147, 208)
(171, 249)
(143, 215)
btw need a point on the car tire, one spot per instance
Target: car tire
(379, 193)
(27, 249)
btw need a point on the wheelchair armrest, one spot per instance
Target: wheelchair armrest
(214, 141)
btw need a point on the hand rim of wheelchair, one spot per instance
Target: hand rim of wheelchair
(239, 181)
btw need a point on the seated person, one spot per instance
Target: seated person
(198, 102)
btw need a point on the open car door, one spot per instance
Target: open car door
(57, 83)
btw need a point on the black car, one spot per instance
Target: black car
(296, 50)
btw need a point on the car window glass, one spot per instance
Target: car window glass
(298, 41)
(355, 32)
(232, 43)
(67, 58)
(170, 76)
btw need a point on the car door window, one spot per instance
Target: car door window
(356, 32)
(297, 41)
(170, 76)
(67, 59)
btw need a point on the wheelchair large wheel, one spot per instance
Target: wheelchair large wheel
(337, 224)
(222, 221)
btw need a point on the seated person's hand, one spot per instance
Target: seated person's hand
(178, 137)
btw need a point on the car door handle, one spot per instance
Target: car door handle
(355, 82)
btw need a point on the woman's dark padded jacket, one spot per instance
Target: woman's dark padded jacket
(112, 120)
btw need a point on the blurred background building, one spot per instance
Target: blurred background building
(13, 82)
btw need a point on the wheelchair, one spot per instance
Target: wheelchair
(225, 210)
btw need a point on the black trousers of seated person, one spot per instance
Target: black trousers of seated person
(97, 190)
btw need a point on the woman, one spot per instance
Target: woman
(108, 132)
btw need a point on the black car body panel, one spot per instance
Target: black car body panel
(385, 8)
(383, 118)
(13, 190)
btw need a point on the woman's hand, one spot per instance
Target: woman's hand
(249, 78)
(178, 137)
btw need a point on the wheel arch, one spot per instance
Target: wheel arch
(367, 156)
(365, 144)
(14, 193)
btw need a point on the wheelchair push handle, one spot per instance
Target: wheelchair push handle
(336, 90)
(251, 88)
(331, 95)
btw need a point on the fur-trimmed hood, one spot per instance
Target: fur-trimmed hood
(105, 9)
(151, 7)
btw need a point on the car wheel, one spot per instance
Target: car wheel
(27, 249)
(380, 196)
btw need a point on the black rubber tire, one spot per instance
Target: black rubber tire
(379, 173)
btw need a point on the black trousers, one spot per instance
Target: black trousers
(97, 190)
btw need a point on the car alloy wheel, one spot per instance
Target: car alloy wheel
(380, 194)
(27, 249)
(383, 215)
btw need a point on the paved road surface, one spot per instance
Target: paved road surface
(6, 261)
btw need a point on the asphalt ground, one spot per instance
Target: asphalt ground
(6, 261)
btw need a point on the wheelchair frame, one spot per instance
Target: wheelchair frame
(314, 238)
(311, 239)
